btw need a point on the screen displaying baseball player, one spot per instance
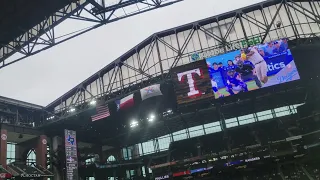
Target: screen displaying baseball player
(215, 88)
(247, 71)
(260, 64)
(235, 83)
(251, 68)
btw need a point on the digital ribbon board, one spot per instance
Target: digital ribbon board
(71, 154)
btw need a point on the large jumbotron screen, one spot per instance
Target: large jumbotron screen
(257, 67)
(235, 72)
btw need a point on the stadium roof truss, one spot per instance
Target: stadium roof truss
(46, 33)
(159, 53)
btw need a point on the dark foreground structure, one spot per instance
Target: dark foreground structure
(269, 133)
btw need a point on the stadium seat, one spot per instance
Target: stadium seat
(263, 129)
(213, 143)
(184, 149)
(292, 171)
(313, 169)
(241, 137)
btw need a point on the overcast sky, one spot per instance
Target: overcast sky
(42, 78)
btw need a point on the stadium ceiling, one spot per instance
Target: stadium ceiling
(151, 61)
(29, 27)
(153, 58)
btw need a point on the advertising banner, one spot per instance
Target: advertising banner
(71, 155)
(182, 173)
(162, 177)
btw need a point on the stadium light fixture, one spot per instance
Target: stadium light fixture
(134, 123)
(50, 118)
(151, 118)
(71, 110)
(168, 112)
(93, 102)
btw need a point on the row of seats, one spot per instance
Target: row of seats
(2, 170)
(238, 137)
(293, 171)
(290, 171)
(21, 168)
(313, 170)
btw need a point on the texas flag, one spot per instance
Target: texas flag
(125, 102)
(150, 91)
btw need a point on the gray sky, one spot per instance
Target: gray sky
(44, 77)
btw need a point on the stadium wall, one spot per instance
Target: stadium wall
(158, 54)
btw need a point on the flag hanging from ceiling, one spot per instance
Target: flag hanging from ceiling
(150, 91)
(125, 102)
(102, 111)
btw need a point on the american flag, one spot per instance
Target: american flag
(102, 112)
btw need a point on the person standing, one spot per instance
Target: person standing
(247, 72)
(260, 64)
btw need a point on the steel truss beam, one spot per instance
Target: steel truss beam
(43, 36)
(181, 121)
(113, 83)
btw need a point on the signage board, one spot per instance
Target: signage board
(71, 154)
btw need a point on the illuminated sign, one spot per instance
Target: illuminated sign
(252, 159)
(163, 165)
(181, 173)
(162, 177)
(30, 175)
(261, 66)
(197, 170)
(230, 47)
(192, 82)
(71, 155)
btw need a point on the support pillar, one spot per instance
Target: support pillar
(41, 151)
(136, 155)
(3, 147)
(56, 143)
(135, 152)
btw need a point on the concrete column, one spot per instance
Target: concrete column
(135, 152)
(41, 151)
(3, 147)
(56, 142)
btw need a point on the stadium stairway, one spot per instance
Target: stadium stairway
(18, 169)
(15, 171)
(45, 171)
(4, 174)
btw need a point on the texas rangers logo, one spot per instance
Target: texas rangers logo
(44, 141)
(4, 137)
(70, 140)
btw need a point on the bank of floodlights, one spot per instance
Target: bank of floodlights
(50, 118)
(93, 102)
(71, 110)
(167, 113)
(134, 123)
(151, 118)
